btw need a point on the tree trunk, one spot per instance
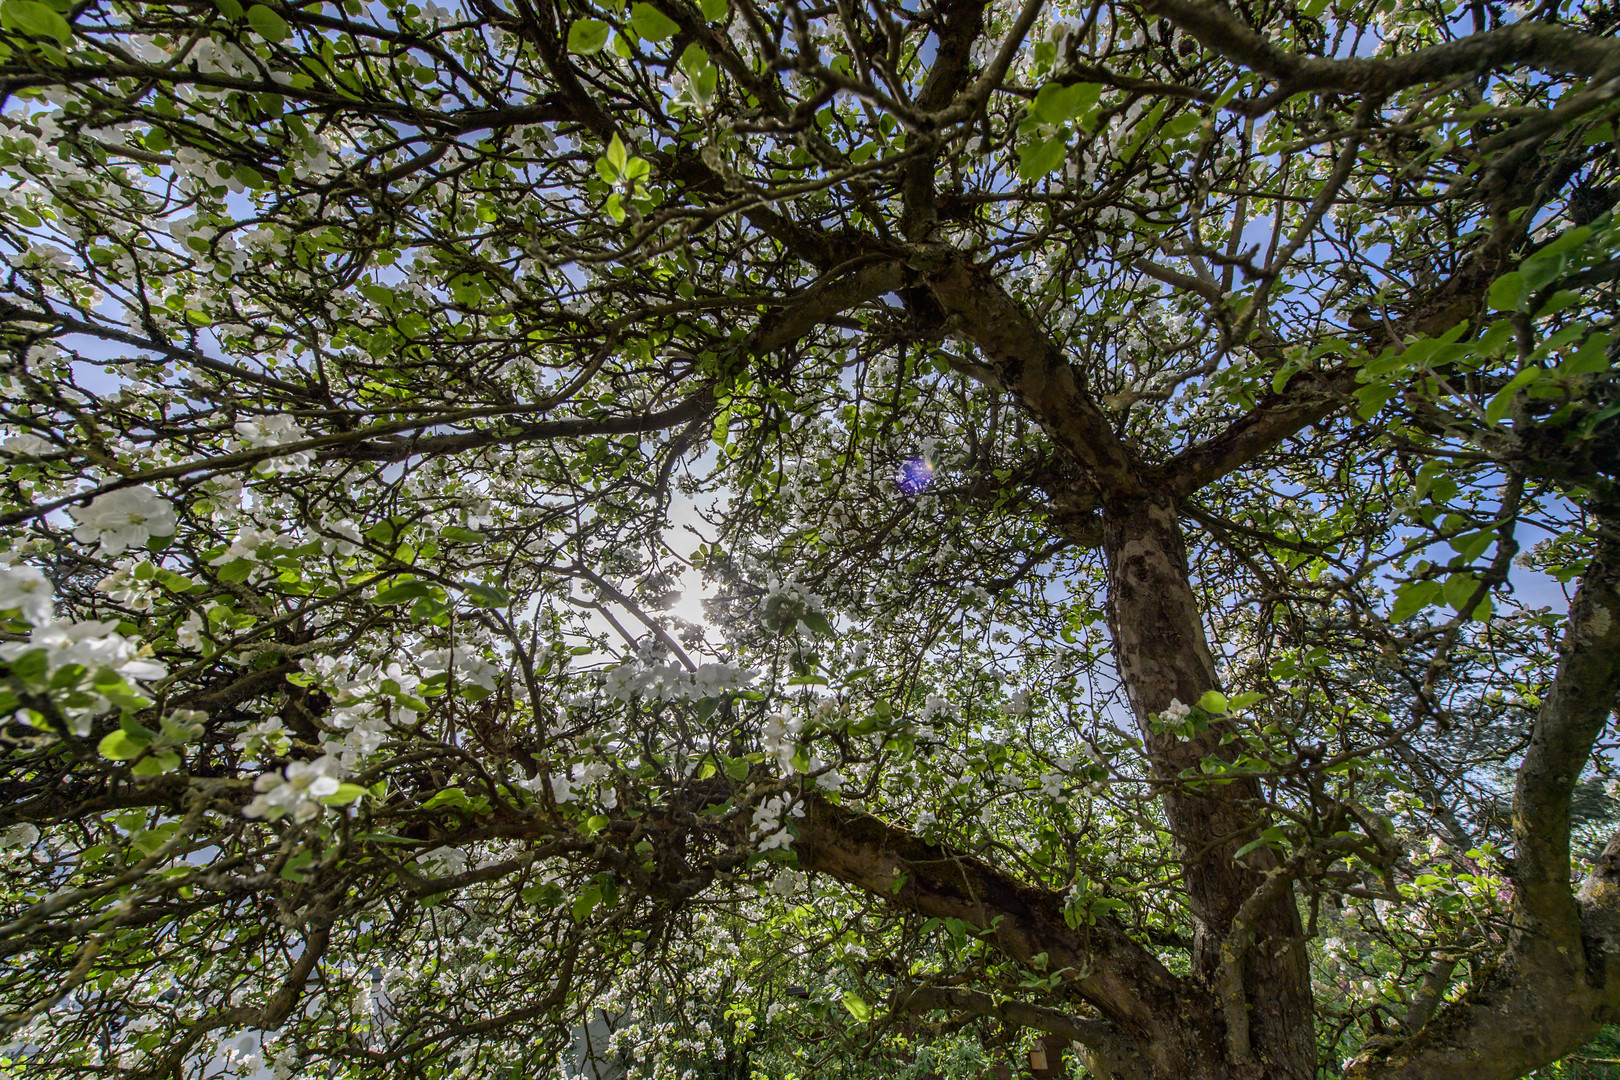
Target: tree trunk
(1163, 655)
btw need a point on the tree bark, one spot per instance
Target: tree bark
(1558, 980)
(1265, 1024)
(1163, 656)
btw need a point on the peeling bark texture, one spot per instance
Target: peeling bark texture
(1525, 44)
(1571, 718)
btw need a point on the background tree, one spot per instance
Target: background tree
(1108, 433)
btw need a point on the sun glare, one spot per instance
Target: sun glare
(689, 607)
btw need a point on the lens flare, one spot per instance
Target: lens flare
(914, 475)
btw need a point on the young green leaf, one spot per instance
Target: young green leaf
(652, 24)
(1056, 103)
(267, 24)
(120, 745)
(587, 36)
(36, 20)
(1038, 159)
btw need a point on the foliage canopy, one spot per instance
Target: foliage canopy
(1132, 450)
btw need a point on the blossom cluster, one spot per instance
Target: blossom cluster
(769, 824)
(92, 647)
(671, 682)
(275, 430)
(297, 790)
(125, 518)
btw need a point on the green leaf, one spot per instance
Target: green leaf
(1056, 103)
(1038, 159)
(120, 745)
(450, 796)
(1412, 598)
(1273, 835)
(36, 20)
(267, 24)
(1458, 589)
(1502, 401)
(587, 36)
(156, 764)
(401, 593)
(816, 621)
(1182, 125)
(1213, 702)
(486, 596)
(1591, 359)
(546, 895)
(292, 869)
(714, 10)
(30, 666)
(237, 570)
(586, 902)
(857, 1006)
(652, 24)
(344, 795)
(616, 154)
(1371, 398)
(1506, 291)
(1284, 373)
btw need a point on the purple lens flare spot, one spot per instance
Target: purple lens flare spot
(914, 475)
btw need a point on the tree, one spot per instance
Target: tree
(1109, 433)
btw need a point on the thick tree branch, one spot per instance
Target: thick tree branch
(1572, 716)
(1106, 1053)
(1030, 365)
(1104, 966)
(1559, 979)
(1538, 45)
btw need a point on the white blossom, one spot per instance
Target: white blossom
(276, 430)
(27, 591)
(92, 645)
(19, 836)
(831, 780)
(27, 444)
(443, 861)
(123, 519)
(190, 634)
(297, 790)
(123, 587)
(787, 883)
